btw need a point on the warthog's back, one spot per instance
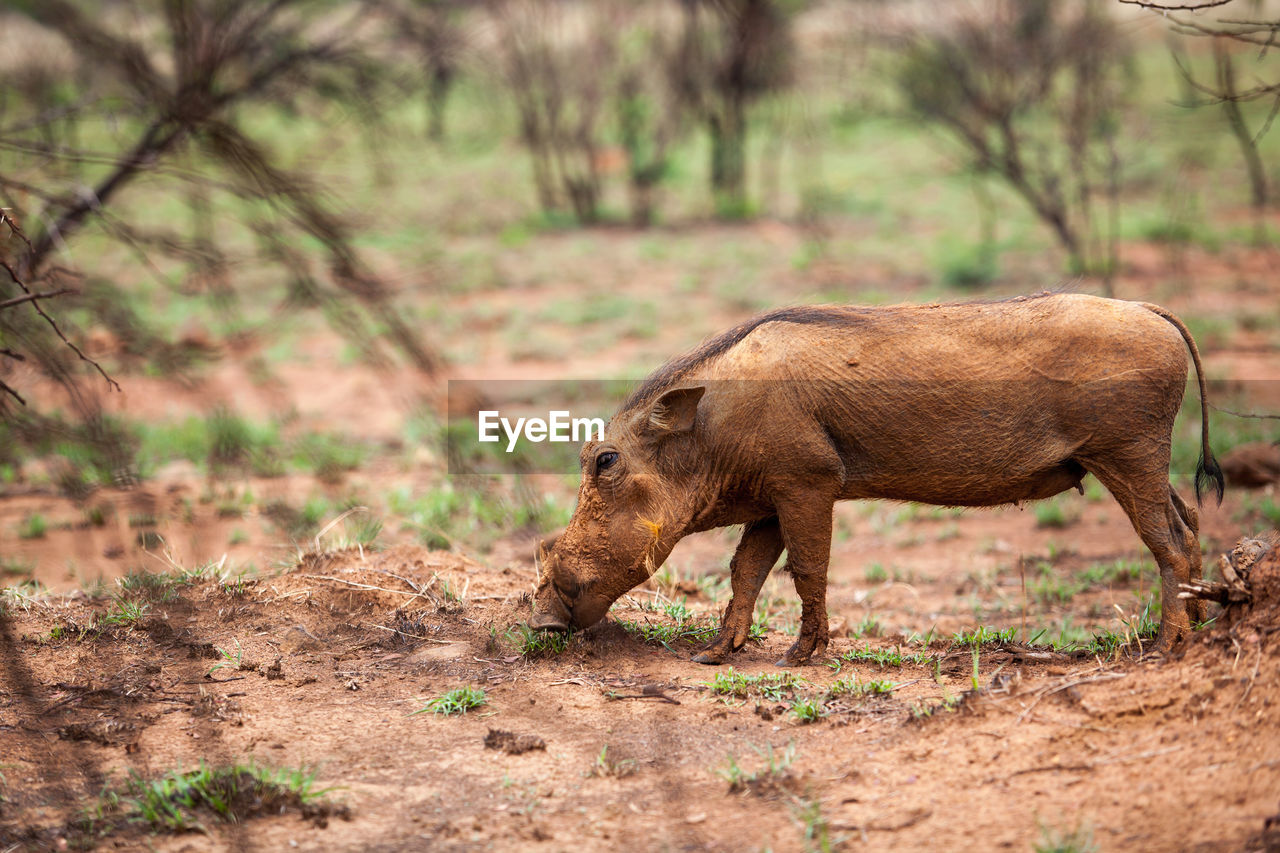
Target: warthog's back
(959, 404)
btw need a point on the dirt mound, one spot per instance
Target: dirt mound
(1249, 591)
(512, 743)
(1252, 465)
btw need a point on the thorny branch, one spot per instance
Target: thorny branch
(220, 56)
(34, 298)
(1186, 7)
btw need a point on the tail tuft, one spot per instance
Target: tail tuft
(1209, 473)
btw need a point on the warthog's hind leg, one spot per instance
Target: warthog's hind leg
(758, 550)
(1167, 527)
(1197, 607)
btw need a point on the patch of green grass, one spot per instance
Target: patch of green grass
(329, 457)
(1054, 514)
(984, 636)
(360, 529)
(34, 526)
(1138, 627)
(966, 266)
(20, 595)
(867, 626)
(14, 567)
(457, 701)
(1116, 571)
(816, 828)
(608, 767)
(773, 769)
(1078, 840)
(180, 801)
(854, 687)
(456, 513)
(161, 586)
(228, 660)
(880, 657)
(775, 687)
(124, 612)
(807, 709)
(231, 438)
(922, 709)
(225, 441)
(687, 626)
(1269, 509)
(532, 643)
(780, 613)
(875, 573)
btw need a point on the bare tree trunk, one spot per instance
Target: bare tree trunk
(1248, 145)
(1113, 218)
(728, 156)
(441, 80)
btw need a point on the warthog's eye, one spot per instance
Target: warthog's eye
(605, 460)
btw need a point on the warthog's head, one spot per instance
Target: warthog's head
(632, 509)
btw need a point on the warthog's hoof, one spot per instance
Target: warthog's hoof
(715, 651)
(803, 650)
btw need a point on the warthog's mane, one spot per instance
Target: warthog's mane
(671, 372)
(815, 315)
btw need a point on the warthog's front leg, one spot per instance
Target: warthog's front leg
(758, 550)
(806, 531)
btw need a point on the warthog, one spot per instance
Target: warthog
(980, 404)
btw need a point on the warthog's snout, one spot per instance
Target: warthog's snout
(543, 621)
(550, 613)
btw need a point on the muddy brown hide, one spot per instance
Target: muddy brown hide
(771, 423)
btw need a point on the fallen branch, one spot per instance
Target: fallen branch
(1222, 593)
(1076, 768)
(361, 585)
(1049, 691)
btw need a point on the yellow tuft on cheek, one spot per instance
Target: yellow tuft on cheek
(654, 529)
(539, 560)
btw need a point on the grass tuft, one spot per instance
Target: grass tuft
(34, 526)
(807, 709)
(1078, 840)
(532, 643)
(607, 767)
(880, 657)
(775, 687)
(984, 636)
(180, 801)
(772, 773)
(458, 701)
(852, 686)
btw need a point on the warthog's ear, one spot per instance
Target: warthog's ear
(676, 410)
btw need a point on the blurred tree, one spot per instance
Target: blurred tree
(1232, 37)
(733, 52)
(436, 31)
(171, 80)
(555, 81)
(650, 116)
(1032, 90)
(593, 86)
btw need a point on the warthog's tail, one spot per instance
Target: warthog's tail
(1207, 470)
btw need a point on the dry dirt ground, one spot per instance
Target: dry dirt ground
(322, 664)
(335, 655)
